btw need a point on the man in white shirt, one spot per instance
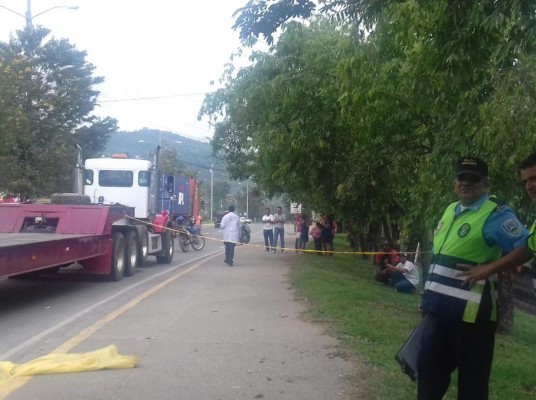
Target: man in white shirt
(230, 224)
(405, 275)
(279, 228)
(268, 230)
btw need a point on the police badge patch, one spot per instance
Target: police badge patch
(511, 227)
(464, 230)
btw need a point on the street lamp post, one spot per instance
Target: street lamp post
(247, 197)
(211, 190)
(28, 15)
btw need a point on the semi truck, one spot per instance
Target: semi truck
(109, 225)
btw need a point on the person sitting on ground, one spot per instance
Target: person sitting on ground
(387, 255)
(404, 275)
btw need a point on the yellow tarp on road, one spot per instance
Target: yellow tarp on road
(105, 358)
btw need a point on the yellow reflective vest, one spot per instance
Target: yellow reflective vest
(460, 239)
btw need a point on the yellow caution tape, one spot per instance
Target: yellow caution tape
(286, 249)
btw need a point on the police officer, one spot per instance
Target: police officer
(460, 310)
(528, 175)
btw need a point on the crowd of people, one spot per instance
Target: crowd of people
(321, 231)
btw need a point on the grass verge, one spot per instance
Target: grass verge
(373, 321)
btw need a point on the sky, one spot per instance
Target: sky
(158, 57)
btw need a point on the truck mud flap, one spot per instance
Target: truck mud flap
(155, 243)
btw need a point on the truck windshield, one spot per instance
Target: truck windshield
(144, 178)
(115, 178)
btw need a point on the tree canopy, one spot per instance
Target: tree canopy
(47, 95)
(363, 109)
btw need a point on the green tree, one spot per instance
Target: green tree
(220, 192)
(416, 90)
(94, 135)
(378, 119)
(281, 121)
(51, 98)
(169, 161)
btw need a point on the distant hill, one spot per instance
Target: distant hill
(194, 154)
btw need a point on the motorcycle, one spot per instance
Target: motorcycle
(190, 235)
(245, 230)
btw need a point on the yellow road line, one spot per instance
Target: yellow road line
(18, 382)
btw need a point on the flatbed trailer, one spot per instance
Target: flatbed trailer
(28, 252)
(104, 239)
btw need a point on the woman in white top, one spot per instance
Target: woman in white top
(267, 230)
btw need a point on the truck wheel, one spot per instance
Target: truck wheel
(143, 236)
(131, 253)
(118, 256)
(184, 242)
(168, 248)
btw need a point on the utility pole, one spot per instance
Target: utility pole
(211, 191)
(28, 15)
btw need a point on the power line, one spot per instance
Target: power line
(150, 98)
(203, 166)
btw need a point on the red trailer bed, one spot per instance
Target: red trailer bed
(27, 252)
(40, 236)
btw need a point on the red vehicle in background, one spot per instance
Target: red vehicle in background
(9, 198)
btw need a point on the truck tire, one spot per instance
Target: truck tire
(143, 237)
(131, 253)
(69, 198)
(118, 256)
(168, 248)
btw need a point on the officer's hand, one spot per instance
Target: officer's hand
(473, 274)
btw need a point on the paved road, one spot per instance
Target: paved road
(208, 332)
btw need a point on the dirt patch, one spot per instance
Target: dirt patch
(360, 379)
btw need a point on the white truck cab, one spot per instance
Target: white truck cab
(119, 180)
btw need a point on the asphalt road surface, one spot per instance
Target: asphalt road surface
(202, 330)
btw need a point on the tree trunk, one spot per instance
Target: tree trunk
(505, 303)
